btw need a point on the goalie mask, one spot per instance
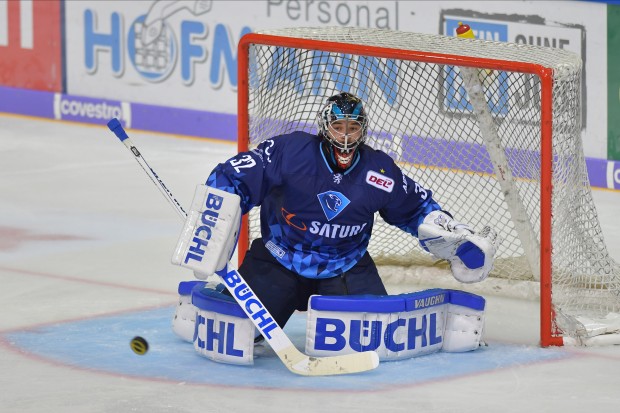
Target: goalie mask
(343, 125)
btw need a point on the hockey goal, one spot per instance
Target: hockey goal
(494, 129)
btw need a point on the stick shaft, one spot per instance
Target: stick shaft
(116, 127)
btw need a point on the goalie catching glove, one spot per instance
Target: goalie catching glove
(210, 233)
(471, 254)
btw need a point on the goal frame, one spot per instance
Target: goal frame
(548, 337)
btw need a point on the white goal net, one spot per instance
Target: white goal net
(493, 129)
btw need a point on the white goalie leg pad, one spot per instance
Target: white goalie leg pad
(222, 331)
(210, 233)
(395, 326)
(464, 322)
(471, 255)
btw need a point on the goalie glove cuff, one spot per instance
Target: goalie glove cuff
(440, 234)
(471, 255)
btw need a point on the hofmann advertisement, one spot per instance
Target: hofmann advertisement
(183, 53)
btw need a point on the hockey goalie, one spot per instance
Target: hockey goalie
(318, 195)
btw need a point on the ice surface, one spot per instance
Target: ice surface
(85, 246)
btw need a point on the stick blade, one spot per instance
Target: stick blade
(304, 365)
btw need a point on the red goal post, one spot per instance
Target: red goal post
(280, 68)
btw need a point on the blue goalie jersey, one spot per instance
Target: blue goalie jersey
(314, 221)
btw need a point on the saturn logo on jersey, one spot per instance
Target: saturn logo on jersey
(380, 181)
(332, 203)
(322, 229)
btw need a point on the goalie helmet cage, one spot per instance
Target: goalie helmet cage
(494, 129)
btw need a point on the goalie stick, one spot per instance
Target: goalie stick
(296, 361)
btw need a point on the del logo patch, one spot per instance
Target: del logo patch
(332, 203)
(379, 181)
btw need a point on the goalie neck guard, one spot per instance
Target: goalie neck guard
(343, 125)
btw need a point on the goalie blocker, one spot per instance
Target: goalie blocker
(210, 233)
(396, 327)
